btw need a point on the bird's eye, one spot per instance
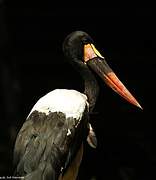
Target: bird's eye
(85, 41)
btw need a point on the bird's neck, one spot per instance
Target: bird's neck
(91, 88)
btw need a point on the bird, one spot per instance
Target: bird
(50, 143)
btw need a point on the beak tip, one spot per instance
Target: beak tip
(138, 105)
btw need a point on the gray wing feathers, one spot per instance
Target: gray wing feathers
(42, 146)
(38, 140)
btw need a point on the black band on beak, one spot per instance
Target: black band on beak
(100, 66)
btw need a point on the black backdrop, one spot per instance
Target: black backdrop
(32, 64)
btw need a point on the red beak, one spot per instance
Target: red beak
(99, 65)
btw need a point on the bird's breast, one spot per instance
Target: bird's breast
(70, 102)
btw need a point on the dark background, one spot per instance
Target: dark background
(32, 64)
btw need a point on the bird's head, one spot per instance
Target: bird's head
(79, 49)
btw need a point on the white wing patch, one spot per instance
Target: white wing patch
(70, 102)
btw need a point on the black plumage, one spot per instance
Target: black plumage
(46, 149)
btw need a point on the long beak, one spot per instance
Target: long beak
(98, 64)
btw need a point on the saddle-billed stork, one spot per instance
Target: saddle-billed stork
(49, 145)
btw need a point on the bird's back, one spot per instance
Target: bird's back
(70, 102)
(51, 135)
